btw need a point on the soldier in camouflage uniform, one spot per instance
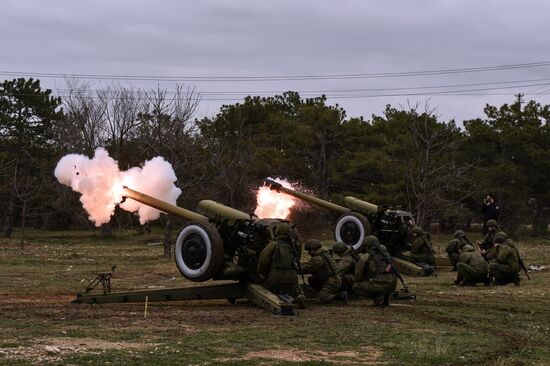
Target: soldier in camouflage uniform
(472, 267)
(505, 267)
(422, 250)
(455, 246)
(278, 263)
(487, 248)
(373, 274)
(322, 268)
(345, 264)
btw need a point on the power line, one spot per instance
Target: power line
(259, 92)
(277, 78)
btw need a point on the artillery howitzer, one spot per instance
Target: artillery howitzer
(360, 218)
(219, 243)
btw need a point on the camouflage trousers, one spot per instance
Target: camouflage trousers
(326, 291)
(383, 284)
(503, 273)
(423, 258)
(292, 289)
(471, 274)
(453, 256)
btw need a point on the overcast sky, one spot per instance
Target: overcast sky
(291, 38)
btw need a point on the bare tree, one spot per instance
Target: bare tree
(166, 128)
(436, 182)
(231, 157)
(122, 106)
(83, 129)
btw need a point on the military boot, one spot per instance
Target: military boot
(344, 297)
(382, 300)
(300, 301)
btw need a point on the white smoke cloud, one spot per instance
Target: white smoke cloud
(100, 182)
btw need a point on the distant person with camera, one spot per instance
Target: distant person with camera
(490, 209)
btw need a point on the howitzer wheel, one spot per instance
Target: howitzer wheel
(199, 251)
(351, 229)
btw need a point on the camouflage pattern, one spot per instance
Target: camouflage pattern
(345, 267)
(313, 244)
(324, 278)
(505, 267)
(488, 249)
(277, 264)
(373, 276)
(422, 250)
(472, 267)
(455, 246)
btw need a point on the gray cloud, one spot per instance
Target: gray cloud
(259, 38)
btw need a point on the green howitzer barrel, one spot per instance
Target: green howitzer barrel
(163, 206)
(351, 227)
(360, 206)
(305, 197)
(219, 242)
(358, 219)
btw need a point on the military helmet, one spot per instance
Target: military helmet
(339, 247)
(312, 244)
(417, 230)
(370, 241)
(459, 234)
(499, 237)
(491, 223)
(282, 229)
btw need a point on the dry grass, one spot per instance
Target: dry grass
(447, 325)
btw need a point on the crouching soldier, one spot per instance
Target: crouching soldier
(472, 268)
(455, 246)
(486, 246)
(373, 274)
(422, 250)
(278, 263)
(345, 264)
(322, 268)
(505, 267)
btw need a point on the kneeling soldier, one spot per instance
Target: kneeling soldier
(373, 274)
(345, 265)
(322, 268)
(472, 268)
(505, 267)
(278, 265)
(422, 250)
(455, 246)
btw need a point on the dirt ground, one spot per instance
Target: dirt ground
(446, 325)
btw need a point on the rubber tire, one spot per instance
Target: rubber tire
(214, 257)
(360, 220)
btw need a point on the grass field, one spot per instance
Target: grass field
(447, 325)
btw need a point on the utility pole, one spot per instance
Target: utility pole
(520, 99)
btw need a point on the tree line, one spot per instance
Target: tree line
(406, 157)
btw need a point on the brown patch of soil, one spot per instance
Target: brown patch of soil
(367, 356)
(53, 349)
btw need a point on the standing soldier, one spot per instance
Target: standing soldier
(505, 267)
(345, 264)
(455, 246)
(322, 268)
(490, 209)
(422, 250)
(374, 277)
(278, 263)
(471, 267)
